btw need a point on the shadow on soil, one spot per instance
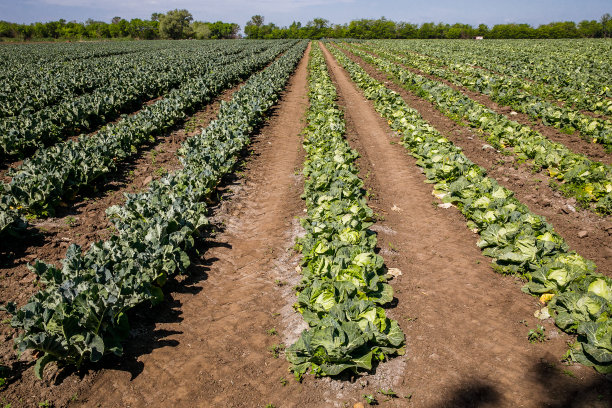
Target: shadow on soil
(557, 388)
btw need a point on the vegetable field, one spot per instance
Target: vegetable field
(278, 223)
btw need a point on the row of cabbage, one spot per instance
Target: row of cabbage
(343, 282)
(28, 85)
(15, 56)
(124, 87)
(55, 173)
(578, 176)
(81, 312)
(567, 96)
(566, 65)
(515, 92)
(520, 242)
(62, 69)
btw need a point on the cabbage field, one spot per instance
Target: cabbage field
(284, 223)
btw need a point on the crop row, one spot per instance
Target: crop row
(16, 56)
(81, 314)
(520, 242)
(587, 180)
(566, 65)
(461, 61)
(127, 88)
(515, 93)
(344, 282)
(42, 181)
(28, 83)
(26, 88)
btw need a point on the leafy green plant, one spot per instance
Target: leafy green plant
(537, 334)
(370, 399)
(343, 284)
(388, 393)
(276, 349)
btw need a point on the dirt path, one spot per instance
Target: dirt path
(465, 325)
(531, 189)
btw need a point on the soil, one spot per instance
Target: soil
(574, 142)
(532, 189)
(466, 326)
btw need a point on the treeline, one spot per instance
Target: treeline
(175, 24)
(179, 24)
(383, 28)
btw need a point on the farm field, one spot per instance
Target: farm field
(284, 223)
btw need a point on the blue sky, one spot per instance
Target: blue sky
(282, 13)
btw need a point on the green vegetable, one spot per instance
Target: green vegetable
(343, 280)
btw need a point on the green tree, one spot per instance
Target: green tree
(317, 28)
(219, 30)
(7, 30)
(482, 30)
(201, 30)
(590, 28)
(143, 29)
(119, 29)
(175, 24)
(606, 22)
(257, 20)
(406, 30)
(253, 27)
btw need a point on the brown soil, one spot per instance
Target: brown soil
(531, 189)
(574, 142)
(465, 325)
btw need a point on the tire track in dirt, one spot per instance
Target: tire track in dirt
(531, 189)
(221, 354)
(466, 340)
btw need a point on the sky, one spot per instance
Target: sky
(283, 13)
